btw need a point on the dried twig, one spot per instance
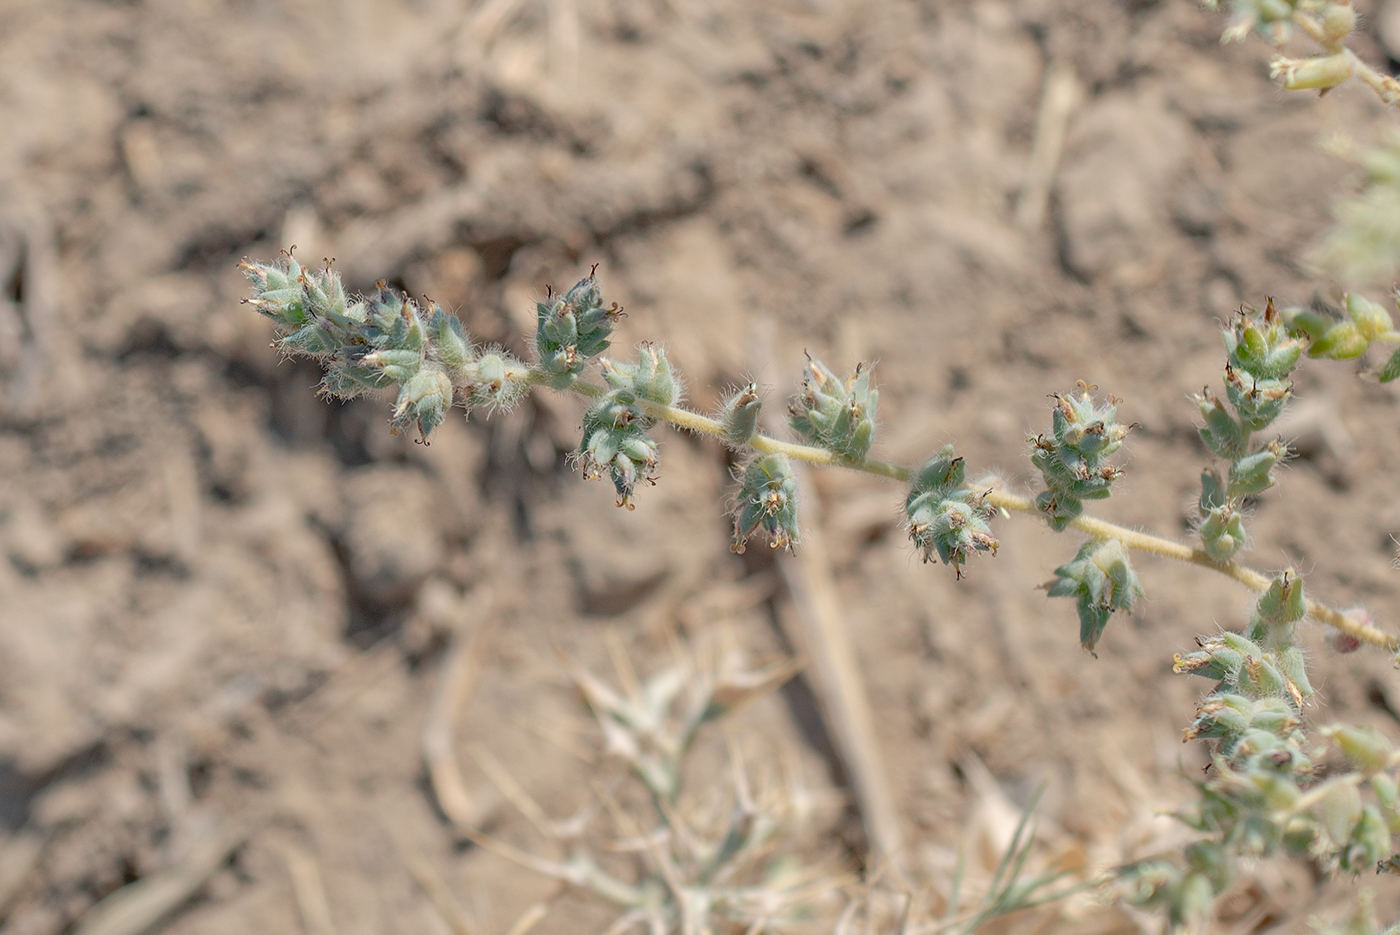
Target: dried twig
(441, 897)
(310, 893)
(1058, 99)
(459, 670)
(139, 907)
(528, 919)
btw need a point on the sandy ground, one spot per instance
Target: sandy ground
(225, 601)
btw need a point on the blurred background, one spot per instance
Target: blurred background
(226, 603)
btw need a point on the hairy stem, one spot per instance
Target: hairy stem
(1386, 87)
(1012, 503)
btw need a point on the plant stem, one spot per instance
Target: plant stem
(1386, 87)
(1013, 503)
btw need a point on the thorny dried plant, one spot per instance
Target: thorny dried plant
(707, 863)
(730, 859)
(1263, 793)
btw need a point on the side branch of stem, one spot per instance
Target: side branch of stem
(1012, 503)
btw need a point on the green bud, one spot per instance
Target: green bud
(1217, 718)
(1306, 323)
(1276, 717)
(1260, 344)
(944, 518)
(650, 378)
(1102, 580)
(1209, 859)
(1214, 661)
(1257, 401)
(1074, 459)
(1253, 473)
(1369, 843)
(768, 501)
(1278, 609)
(1341, 809)
(450, 344)
(1318, 71)
(839, 417)
(1342, 341)
(572, 329)
(1241, 644)
(496, 381)
(398, 366)
(1366, 749)
(615, 440)
(1222, 434)
(740, 415)
(1289, 660)
(1371, 319)
(1391, 370)
(1222, 533)
(1261, 678)
(424, 401)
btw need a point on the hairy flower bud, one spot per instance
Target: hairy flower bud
(1102, 580)
(495, 380)
(1222, 433)
(1338, 20)
(1261, 345)
(1366, 749)
(1254, 473)
(768, 501)
(615, 440)
(1218, 717)
(1278, 610)
(739, 415)
(1223, 533)
(423, 400)
(838, 416)
(572, 329)
(366, 342)
(1074, 459)
(945, 519)
(650, 378)
(1318, 71)
(1342, 341)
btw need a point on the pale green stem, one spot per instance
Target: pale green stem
(1386, 87)
(1013, 503)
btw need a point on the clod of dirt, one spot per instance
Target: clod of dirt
(388, 550)
(32, 543)
(1122, 157)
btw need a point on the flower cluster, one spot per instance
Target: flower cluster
(1073, 459)
(381, 340)
(1101, 580)
(838, 416)
(1262, 792)
(1262, 351)
(767, 500)
(945, 518)
(573, 328)
(1366, 323)
(616, 427)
